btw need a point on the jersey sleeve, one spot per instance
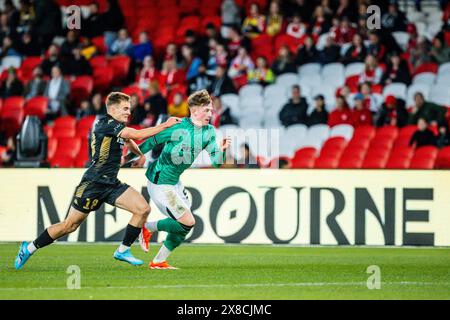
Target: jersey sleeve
(216, 155)
(164, 136)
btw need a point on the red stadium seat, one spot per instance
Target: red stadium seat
(427, 67)
(382, 142)
(81, 88)
(350, 162)
(367, 132)
(98, 61)
(62, 162)
(99, 43)
(214, 19)
(387, 132)
(304, 162)
(288, 41)
(103, 77)
(404, 136)
(61, 132)
(188, 23)
(36, 106)
(337, 142)
(329, 162)
(443, 158)
(121, 66)
(374, 162)
(422, 163)
(28, 65)
(11, 120)
(398, 163)
(426, 152)
(359, 142)
(402, 152)
(13, 103)
(85, 123)
(378, 151)
(68, 122)
(189, 6)
(134, 90)
(68, 147)
(305, 153)
(52, 144)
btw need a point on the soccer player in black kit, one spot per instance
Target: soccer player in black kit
(100, 184)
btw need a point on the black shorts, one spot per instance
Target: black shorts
(89, 195)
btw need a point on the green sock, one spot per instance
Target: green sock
(173, 240)
(172, 226)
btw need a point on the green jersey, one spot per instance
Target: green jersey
(183, 143)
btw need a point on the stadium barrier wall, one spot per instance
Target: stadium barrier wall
(326, 207)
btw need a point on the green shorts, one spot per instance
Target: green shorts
(89, 195)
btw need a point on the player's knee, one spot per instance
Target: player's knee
(70, 227)
(143, 210)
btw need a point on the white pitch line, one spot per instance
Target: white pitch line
(248, 285)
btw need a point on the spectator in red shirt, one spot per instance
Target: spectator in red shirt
(356, 52)
(361, 116)
(148, 73)
(342, 113)
(392, 113)
(345, 32)
(372, 72)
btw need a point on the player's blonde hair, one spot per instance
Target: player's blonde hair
(199, 99)
(115, 98)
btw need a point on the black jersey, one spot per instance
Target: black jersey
(106, 150)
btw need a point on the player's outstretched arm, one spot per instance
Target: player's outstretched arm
(217, 153)
(130, 133)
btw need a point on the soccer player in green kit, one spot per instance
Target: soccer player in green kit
(183, 142)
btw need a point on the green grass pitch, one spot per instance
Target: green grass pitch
(229, 272)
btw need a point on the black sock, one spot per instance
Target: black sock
(131, 234)
(43, 240)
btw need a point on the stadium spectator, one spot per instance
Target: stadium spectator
(57, 92)
(8, 157)
(274, 21)
(307, 53)
(171, 77)
(201, 81)
(211, 32)
(236, 41)
(248, 160)
(394, 19)
(429, 111)
(340, 115)
(171, 53)
(397, 71)
(157, 102)
(28, 46)
(372, 72)
(440, 51)
(319, 114)
(218, 56)
(191, 63)
(76, 65)
(392, 113)
(320, 22)
(345, 32)
(97, 107)
(370, 100)
(284, 62)
(330, 53)
(296, 28)
(241, 64)
(138, 113)
(88, 49)
(221, 84)
(362, 28)
(230, 16)
(94, 24)
(295, 111)
(199, 45)
(52, 60)
(221, 115)
(26, 16)
(361, 116)
(122, 45)
(376, 48)
(421, 53)
(179, 107)
(142, 49)
(254, 23)
(8, 49)
(443, 138)
(346, 93)
(356, 52)
(261, 74)
(347, 9)
(84, 110)
(36, 86)
(12, 86)
(47, 23)
(423, 136)
(71, 42)
(148, 73)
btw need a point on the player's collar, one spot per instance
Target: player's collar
(193, 124)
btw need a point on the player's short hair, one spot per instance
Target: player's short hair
(199, 99)
(115, 98)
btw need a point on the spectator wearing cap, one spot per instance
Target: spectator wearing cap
(142, 49)
(201, 81)
(221, 84)
(372, 72)
(52, 60)
(356, 52)
(423, 136)
(340, 115)
(122, 45)
(443, 138)
(320, 114)
(36, 86)
(431, 112)
(295, 111)
(274, 21)
(392, 113)
(394, 19)
(261, 74)
(284, 62)
(12, 86)
(307, 53)
(397, 71)
(57, 92)
(254, 23)
(361, 116)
